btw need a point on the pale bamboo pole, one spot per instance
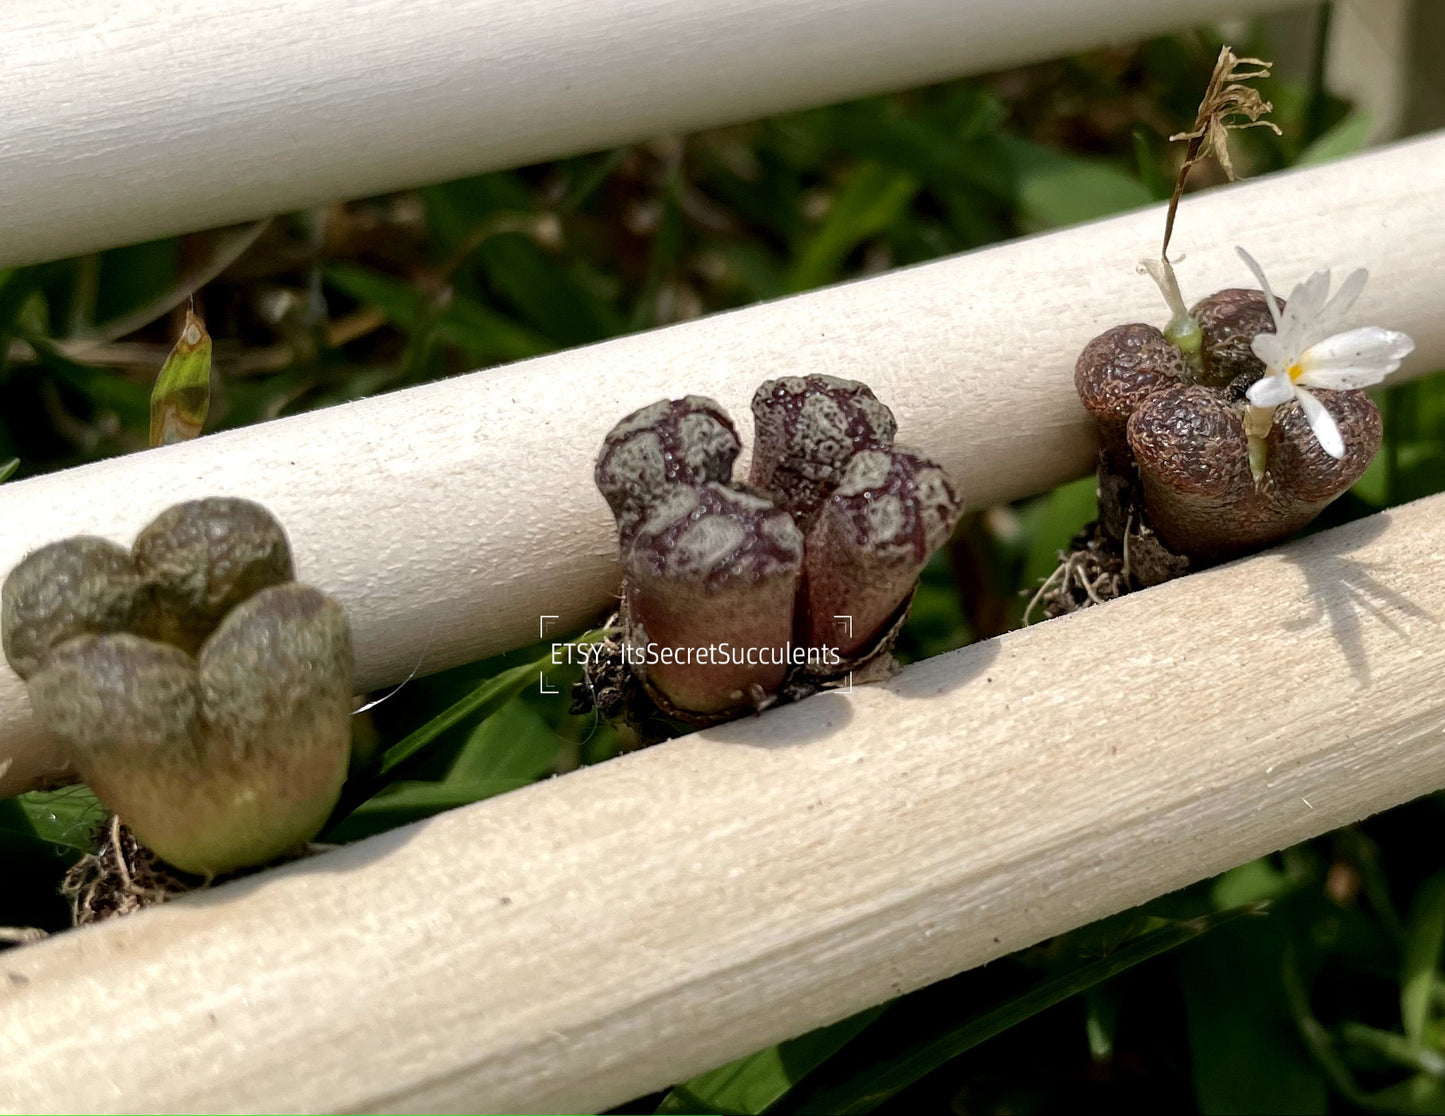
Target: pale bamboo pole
(598, 936)
(143, 118)
(448, 518)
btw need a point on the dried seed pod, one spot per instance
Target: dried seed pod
(1198, 492)
(74, 587)
(710, 577)
(204, 557)
(808, 427)
(1116, 372)
(675, 441)
(868, 544)
(1228, 322)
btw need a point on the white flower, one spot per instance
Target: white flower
(1305, 351)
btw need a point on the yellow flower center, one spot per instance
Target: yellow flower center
(1295, 372)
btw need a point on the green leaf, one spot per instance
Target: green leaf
(1424, 938)
(182, 394)
(1147, 163)
(757, 1082)
(41, 835)
(483, 701)
(481, 331)
(1052, 521)
(514, 744)
(7, 470)
(1056, 189)
(64, 818)
(872, 1084)
(1345, 138)
(873, 198)
(1246, 1055)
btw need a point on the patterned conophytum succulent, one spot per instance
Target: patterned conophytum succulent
(1221, 460)
(204, 695)
(834, 524)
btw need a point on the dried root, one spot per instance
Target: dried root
(121, 877)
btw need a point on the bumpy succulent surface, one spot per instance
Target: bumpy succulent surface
(74, 587)
(869, 543)
(807, 430)
(204, 557)
(1117, 371)
(1229, 320)
(205, 696)
(676, 441)
(1194, 468)
(712, 567)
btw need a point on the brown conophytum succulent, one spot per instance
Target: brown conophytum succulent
(1217, 452)
(203, 694)
(734, 595)
(1172, 436)
(1212, 443)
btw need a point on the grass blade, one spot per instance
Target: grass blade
(756, 1083)
(182, 394)
(1424, 937)
(481, 703)
(868, 1087)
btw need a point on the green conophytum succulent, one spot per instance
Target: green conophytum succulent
(732, 592)
(204, 695)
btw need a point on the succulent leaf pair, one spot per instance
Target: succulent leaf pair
(204, 694)
(728, 587)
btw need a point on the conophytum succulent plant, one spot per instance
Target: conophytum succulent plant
(734, 595)
(204, 695)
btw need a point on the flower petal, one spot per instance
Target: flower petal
(1332, 314)
(1270, 349)
(1355, 359)
(1258, 271)
(1308, 298)
(1270, 390)
(1322, 423)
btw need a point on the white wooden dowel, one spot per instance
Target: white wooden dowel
(141, 118)
(595, 937)
(449, 518)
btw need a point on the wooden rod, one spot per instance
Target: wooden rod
(591, 938)
(145, 118)
(449, 518)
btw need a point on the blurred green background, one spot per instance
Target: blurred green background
(1305, 982)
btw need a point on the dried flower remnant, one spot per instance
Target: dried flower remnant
(1228, 105)
(215, 720)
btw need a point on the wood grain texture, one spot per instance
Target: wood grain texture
(447, 518)
(591, 938)
(141, 118)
